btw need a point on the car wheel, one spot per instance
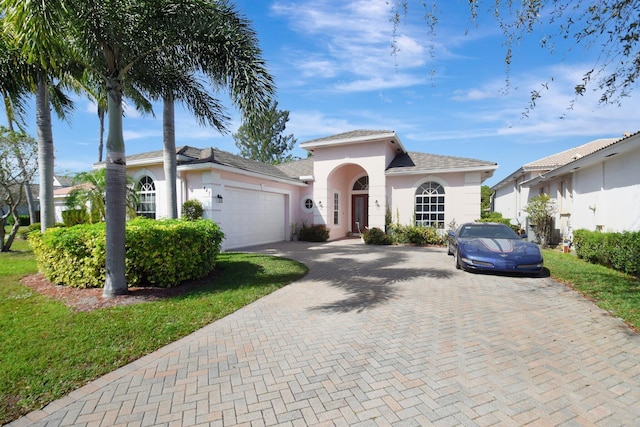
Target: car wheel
(449, 251)
(458, 265)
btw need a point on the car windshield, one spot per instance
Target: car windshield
(492, 231)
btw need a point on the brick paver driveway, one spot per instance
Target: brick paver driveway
(381, 336)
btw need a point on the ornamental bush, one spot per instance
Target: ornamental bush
(192, 210)
(158, 253)
(416, 235)
(314, 233)
(375, 236)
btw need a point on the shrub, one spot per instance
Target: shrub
(160, 253)
(192, 210)
(314, 233)
(33, 227)
(23, 220)
(375, 236)
(416, 235)
(73, 217)
(589, 245)
(620, 251)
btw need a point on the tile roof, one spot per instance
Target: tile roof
(190, 155)
(297, 168)
(567, 156)
(417, 162)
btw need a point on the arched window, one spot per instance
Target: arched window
(430, 205)
(362, 184)
(146, 190)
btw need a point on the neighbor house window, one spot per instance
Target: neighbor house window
(336, 209)
(146, 190)
(430, 205)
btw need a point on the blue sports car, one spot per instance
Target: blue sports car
(484, 246)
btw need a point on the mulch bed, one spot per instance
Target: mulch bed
(91, 298)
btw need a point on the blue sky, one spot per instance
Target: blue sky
(445, 94)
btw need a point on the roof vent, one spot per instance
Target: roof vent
(576, 156)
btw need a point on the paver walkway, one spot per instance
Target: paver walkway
(377, 336)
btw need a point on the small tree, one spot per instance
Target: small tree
(261, 137)
(540, 210)
(18, 154)
(485, 199)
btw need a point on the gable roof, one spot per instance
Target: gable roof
(559, 159)
(355, 137)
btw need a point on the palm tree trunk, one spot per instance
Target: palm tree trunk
(45, 156)
(170, 168)
(101, 140)
(115, 281)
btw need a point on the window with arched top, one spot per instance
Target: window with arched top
(362, 184)
(146, 190)
(430, 205)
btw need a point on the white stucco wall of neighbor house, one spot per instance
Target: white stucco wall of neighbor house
(605, 195)
(511, 199)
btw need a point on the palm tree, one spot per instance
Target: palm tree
(231, 57)
(89, 193)
(131, 50)
(32, 27)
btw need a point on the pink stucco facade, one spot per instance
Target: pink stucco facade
(352, 181)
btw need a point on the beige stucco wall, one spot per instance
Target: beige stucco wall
(462, 196)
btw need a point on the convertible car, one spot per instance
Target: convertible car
(484, 246)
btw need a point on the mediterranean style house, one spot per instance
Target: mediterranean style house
(349, 182)
(595, 186)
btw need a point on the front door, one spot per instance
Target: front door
(360, 212)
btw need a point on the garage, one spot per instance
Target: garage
(252, 217)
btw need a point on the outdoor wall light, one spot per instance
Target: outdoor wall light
(377, 204)
(320, 203)
(220, 198)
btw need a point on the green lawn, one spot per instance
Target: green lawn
(47, 350)
(616, 292)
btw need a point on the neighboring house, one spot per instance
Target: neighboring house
(595, 186)
(62, 186)
(352, 181)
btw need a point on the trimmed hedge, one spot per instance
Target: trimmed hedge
(158, 253)
(620, 251)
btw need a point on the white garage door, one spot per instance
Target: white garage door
(252, 218)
